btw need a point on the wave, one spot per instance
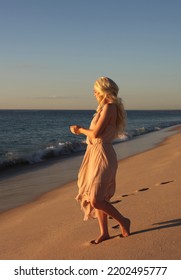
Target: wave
(59, 150)
(152, 128)
(11, 159)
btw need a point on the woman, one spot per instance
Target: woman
(96, 178)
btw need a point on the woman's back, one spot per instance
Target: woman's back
(110, 131)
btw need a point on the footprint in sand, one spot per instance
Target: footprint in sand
(167, 182)
(164, 183)
(143, 189)
(115, 201)
(116, 226)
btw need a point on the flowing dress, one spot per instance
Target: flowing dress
(96, 177)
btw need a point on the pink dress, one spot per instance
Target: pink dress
(96, 178)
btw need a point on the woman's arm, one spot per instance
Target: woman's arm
(108, 112)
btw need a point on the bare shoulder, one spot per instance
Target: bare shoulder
(110, 108)
(110, 112)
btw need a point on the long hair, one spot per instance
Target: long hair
(108, 90)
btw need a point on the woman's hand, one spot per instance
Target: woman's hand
(75, 129)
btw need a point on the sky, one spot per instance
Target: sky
(52, 51)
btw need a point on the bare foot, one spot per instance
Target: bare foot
(100, 239)
(126, 228)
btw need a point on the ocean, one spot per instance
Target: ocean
(32, 136)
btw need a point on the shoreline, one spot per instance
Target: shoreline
(148, 191)
(27, 184)
(5, 172)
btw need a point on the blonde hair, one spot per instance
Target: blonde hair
(108, 90)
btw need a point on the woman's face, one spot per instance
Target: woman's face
(100, 97)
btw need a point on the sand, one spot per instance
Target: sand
(148, 192)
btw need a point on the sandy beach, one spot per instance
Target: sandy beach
(148, 192)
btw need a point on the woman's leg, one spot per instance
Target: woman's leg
(103, 224)
(110, 210)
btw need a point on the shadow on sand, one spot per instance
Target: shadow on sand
(161, 225)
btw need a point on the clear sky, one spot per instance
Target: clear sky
(51, 52)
